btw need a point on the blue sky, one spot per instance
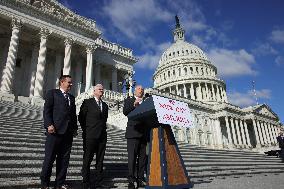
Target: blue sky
(244, 39)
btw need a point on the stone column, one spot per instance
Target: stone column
(198, 92)
(243, 134)
(218, 93)
(234, 132)
(229, 133)
(33, 69)
(192, 96)
(213, 92)
(177, 92)
(67, 58)
(89, 68)
(57, 68)
(269, 133)
(225, 95)
(264, 135)
(259, 133)
(114, 79)
(247, 133)
(257, 137)
(238, 132)
(274, 133)
(9, 69)
(40, 72)
(218, 133)
(98, 73)
(184, 91)
(78, 76)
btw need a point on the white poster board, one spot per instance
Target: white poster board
(173, 112)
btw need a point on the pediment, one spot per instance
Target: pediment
(53, 8)
(265, 110)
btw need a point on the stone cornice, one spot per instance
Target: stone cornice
(53, 12)
(116, 49)
(32, 16)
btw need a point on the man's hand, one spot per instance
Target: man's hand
(137, 101)
(51, 129)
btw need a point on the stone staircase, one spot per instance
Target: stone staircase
(22, 149)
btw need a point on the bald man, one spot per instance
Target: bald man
(136, 135)
(93, 117)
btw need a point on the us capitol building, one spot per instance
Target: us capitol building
(42, 39)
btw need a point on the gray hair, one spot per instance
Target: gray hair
(98, 85)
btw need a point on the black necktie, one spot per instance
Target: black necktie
(99, 104)
(66, 98)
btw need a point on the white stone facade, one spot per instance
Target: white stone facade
(42, 39)
(185, 73)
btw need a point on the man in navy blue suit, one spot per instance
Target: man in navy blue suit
(60, 122)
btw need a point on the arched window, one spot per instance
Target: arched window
(185, 71)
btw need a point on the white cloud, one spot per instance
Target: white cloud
(277, 36)
(279, 60)
(263, 49)
(248, 98)
(232, 63)
(133, 17)
(150, 59)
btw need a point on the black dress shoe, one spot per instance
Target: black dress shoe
(141, 183)
(86, 186)
(131, 185)
(98, 186)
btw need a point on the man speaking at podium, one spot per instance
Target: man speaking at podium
(136, 135)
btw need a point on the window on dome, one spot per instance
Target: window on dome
(191, 70)
(174, 73)
(185, 71)
(179, 72)
(169, 74)
(178, 52)
(186, 51)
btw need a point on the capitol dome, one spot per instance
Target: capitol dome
(184, 50)
(185, 70)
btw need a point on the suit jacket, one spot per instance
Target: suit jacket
(92, 119)
(280, 142)
(57, 112)
(134, 129)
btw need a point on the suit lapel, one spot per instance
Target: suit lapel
(96, 104)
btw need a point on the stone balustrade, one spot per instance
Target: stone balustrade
(114, 47)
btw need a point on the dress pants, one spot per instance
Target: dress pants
(93, 146)
(136, 149)
(56, 147)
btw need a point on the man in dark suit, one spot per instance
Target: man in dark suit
(93, 117)
(136, 135)
(60, 122)
(280, 140)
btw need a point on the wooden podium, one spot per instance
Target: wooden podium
(166, 168)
